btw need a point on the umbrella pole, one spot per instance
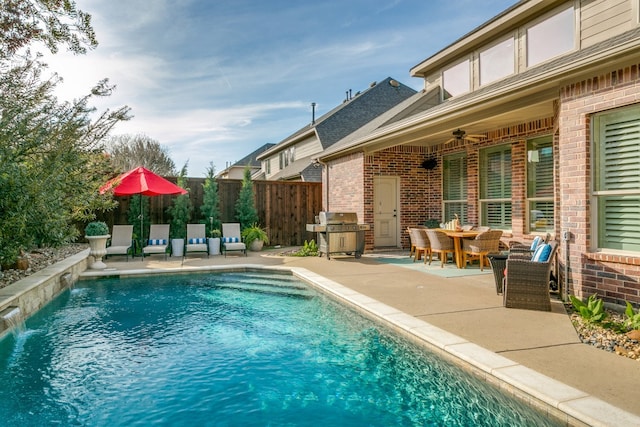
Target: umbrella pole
(141, 227)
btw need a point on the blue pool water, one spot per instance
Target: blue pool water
(233, 349)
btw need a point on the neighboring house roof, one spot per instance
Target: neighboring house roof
(532, 90)
(248, 160)
(341, 121)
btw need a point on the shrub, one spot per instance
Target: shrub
(633, 317)
(96, 228)
(309, 249)
(593, 311)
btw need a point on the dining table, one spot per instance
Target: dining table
(457, 236)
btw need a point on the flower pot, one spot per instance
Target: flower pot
(214, 246)
(256, 245)
(98, 249)
(177, 247)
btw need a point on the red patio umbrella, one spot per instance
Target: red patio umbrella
(144, 182)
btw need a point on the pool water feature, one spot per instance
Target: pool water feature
(230, 349)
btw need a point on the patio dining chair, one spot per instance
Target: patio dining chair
(421, 244)
(478, 248)
(442, 244)
(121, 242)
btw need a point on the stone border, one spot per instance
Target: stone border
(35, 291)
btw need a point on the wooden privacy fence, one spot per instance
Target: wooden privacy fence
(284, 208)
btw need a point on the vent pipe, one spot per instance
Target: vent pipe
(313, 113)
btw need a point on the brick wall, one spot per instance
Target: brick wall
(612, 276)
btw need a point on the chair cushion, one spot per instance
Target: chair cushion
(535, 243)
(197, 240)
(157, 242)
(542, 253)
(230, 239)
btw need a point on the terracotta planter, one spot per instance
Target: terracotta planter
(98, 249)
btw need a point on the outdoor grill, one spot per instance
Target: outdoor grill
(339, 232)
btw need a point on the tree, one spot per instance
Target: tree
(245, 205)
(130, 151)
(51, 22)
(52, 162)
(181, 209)
(210, 208)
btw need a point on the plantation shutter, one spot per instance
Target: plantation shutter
(617, 182)
(495, 182)
(455, 187)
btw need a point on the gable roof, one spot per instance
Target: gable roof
(350, 115)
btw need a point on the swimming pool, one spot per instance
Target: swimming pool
(229, 349)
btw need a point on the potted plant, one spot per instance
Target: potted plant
(97, 233)
(255, 237)
(214, 241)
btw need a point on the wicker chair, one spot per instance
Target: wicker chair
(421, 244)
(478, 248)
(442, 244)
(527, 248)
(526, 282)
(412, 249)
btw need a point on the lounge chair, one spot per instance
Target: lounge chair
(231, 238)
(121, 242)
(442, 244)
(196, 239)
(478, 248)
(158, 242)
(526, 283)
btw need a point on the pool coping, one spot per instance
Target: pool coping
(556, 399)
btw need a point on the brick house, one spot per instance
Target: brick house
(536, 130)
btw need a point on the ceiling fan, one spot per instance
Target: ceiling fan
(460, 135)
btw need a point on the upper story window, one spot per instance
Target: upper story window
(497, 61)
(551, 37)
(456, 80)
(267, 164)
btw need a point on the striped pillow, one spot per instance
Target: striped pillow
(197, 240)
(230, 240)
(535, 243)
(542, 253)
(157, 242)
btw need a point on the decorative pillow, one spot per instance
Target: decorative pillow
(197, 240)
(156, 242)
(535, 243)
(542, 253)
(230, 240)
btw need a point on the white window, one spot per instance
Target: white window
(456, 80)
(616, 179)
(497, 61)
(540, 191)
(454, 187)
(495, 187)
(551, 37)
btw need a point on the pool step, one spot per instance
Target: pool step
(267, 287)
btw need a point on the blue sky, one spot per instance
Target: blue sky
(213, 80)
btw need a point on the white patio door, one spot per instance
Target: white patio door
(385, 211)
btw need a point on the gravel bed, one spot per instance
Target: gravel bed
(39, 259)
(591, 334)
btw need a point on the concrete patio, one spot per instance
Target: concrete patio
(469, 308)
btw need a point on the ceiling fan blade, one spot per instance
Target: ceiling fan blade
(450, 140)
(476, 136)
(472, 139)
